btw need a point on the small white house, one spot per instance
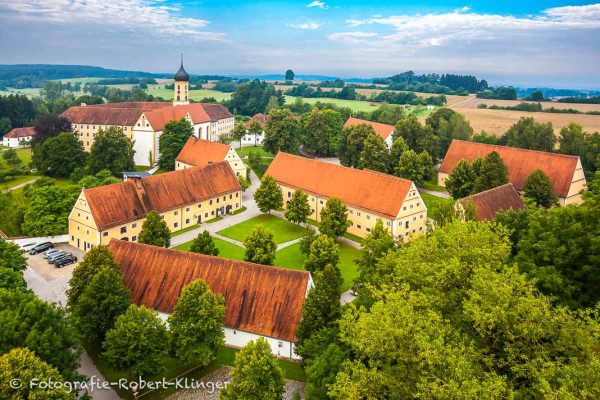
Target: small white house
(18, 137)
(251, 139)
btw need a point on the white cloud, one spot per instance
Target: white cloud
(351, 37)
(318, 4)
(145, 15)
(308, 25)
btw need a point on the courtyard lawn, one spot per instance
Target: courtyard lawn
(245, 151)
(432, 203)
(226, 249)
(291, 257)
(167, 94)
(23, 153)
(283, 230)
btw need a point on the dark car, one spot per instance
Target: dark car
(66, 260)
(56, 255)
(58, 258)
(40, 248)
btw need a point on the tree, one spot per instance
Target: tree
(448, 211)
(282, 132)
(12, 280)
(492, 173)
(441, 114)
(268, 196)
(138, 342)
(573, 140)
(322, 371)
(22, 365)
(239, 131)
(539, 188)
(95, 260)
(528, 134)
(104, 177)
(322, 308)
(42, 327)
(196, 324)
(47, 211)
(111, 150)
(309, 235)
(254, 159)
(273, 104)
(321, 131)
(456, 127)
(155, 231)
(5, 126)
(260, 246)
(416, 136)
(204, 244)
(323, 251)
(255, 374)
(334, 218)
(59, 156)
(374, 155)
(252, 97)
(11, 256)
(397, 149)
(297, 209)
(388, 114)
(102, 301)
(244, 182)
(256, 129)
(289, 75)
(375, 246)
(415, 167)
(49, 126)
(175, 134)
(461, 181)
(352, 143)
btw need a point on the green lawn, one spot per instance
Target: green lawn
(226, 249)
(19, 179)
(291, 257)
(245, 151)
(29, 92)
(432, 203)
(239, 210)
(24, 154)
(184, 230)
(167, 94)
(283, 230)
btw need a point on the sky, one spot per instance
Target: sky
(524, 43)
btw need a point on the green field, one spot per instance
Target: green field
(283, 230)
(354, 105)
(245, 151)
(432, 203)
(226, 249)
(29, 92)
(167, 94)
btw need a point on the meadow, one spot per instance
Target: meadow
(167, 94)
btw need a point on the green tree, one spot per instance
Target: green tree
(374, 155)
(323, 251)
(255, 374)
(456, 127)
(204, 244)
(352, 143)
(441, 114)
(461, 181)
(252, 97)
(11, 256)
(322, 371)
(282, 132)
(575, 141)
(289, 75)
(297, 208)
(175, 134)
(138, 342)
(102, 301)
(528, 134)
(155, 231)
(492, 173)
(539, 188)
(95, 260)
(196, 324)
(49, 126)
(416, 136)
(449, 211)
(12, 280)
(376, 245)
(42, 327)
(388, 114)
(239, 131)
(60, 155)
(254, 159)
(268, 196)
(415, 167)
(244, 182)
(397, 149)
(111, 150)
(322, 308)
(255, 129)
(273, 104)
(309, 235)
(5, 126)
(321, 131)
(104, 177)
(47, 211)
(260, 246)
(334, 218)
(538, 95)
(22, 365)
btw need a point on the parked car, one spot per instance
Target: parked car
(65, 260)
(40, 247)
(28, 246)
(56, 255)
(50, 252)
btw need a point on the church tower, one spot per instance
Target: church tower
(181, 86)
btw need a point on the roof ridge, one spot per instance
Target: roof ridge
(489, 190)
(517, 148)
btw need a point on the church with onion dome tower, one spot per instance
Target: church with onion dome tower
(181, 86)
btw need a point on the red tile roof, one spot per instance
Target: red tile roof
(383, 130)
(198, 152)
(21, 133)
(520, 163)
(489, 202)
(258, 299)
(123, 202)
(262, 118)
(198, 112)
(373, 191)
(119, 114)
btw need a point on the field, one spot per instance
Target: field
(283, 230)
(496, 122)
(167, 94)
(474, 102)
(29, 92)
(357, 105)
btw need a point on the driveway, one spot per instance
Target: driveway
(48, 271)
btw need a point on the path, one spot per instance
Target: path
(443, 195)
(20, 185)
(457, 105)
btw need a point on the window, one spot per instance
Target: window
(230, 196)
(210, 202)
(389, 223)
(134, 225)
(406, 224)
(418, 204)
(358, 213)
(368, 216)
(403, 208)
(187, 209)
(289, 194)
(205, 215)
(414, 218)
(176, 212)
(199, 205)
(368, 229)
(237, 194)
(187, 221)
(358, 226)
(411, 206)
(134, 238)
(175, 224)
(105, 233)
(351, 211)
(218, 200)
(123, 229)
(321, 201)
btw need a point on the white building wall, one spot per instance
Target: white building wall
(253, 140)
(15, 142)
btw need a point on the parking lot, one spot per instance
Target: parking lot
(48, 271)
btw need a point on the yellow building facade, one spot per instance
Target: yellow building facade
(197, 152)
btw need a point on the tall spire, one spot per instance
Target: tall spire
(181, 75)
(181, 60)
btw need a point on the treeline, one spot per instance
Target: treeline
(501, 93)
(434, 83)
(391, 97)
(304, 90)
(588, 100)
(537, 107)
(128, 80)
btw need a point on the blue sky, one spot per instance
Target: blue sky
(552, 43)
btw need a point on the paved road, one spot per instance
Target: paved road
(443, 195)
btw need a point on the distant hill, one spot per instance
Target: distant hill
(281, 77)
